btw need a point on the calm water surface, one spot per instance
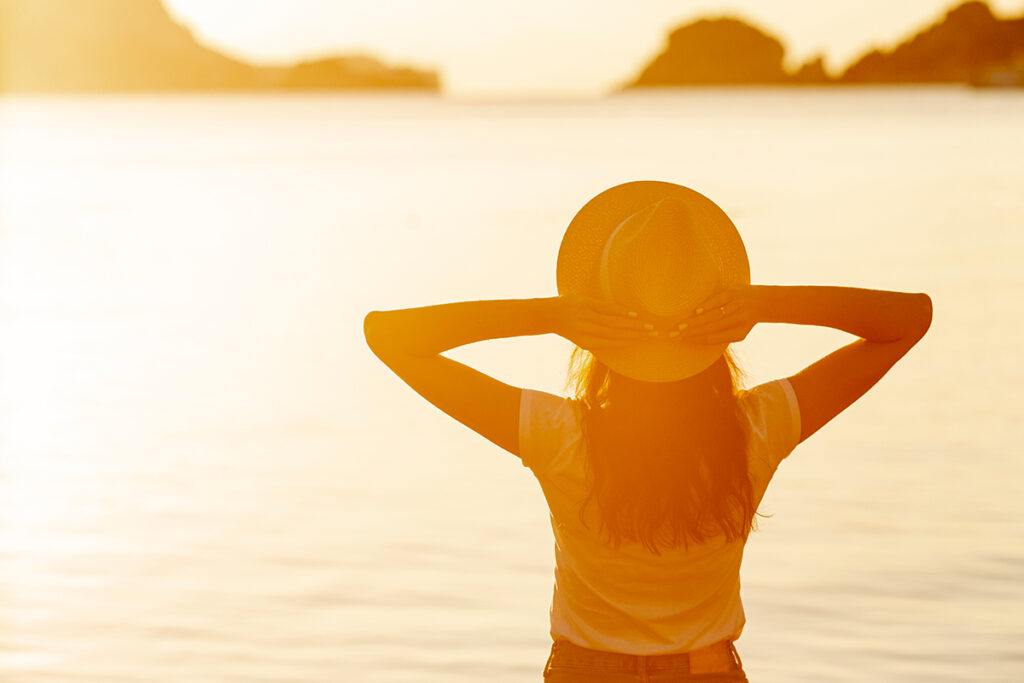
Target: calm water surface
(207, 477)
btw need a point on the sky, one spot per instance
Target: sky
(540, 47)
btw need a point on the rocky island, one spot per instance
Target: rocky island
(716, 52)
(968, 45)
(135, 45)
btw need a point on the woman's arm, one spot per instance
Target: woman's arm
(877, 316)
(410, 342)
(888, 323)
(429, 330)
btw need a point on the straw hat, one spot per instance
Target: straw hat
(659, 249)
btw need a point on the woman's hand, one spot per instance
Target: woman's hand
(595, 324)
(725, 317)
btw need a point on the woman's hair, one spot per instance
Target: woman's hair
(667, 460)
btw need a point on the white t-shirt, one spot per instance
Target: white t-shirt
(628, 599)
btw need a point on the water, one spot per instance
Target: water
(207, 477)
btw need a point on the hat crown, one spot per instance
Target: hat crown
(655, 247)
(660, 261)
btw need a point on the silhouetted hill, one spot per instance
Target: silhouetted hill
(969, 45)
(354, 72)
(115, 45)
(811, 72)
(715, 52)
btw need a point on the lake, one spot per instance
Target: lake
(207, 476)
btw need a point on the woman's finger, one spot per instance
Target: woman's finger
(618, 321)
(709, 324)
(715, 301)
(610, 308)
(712, 315)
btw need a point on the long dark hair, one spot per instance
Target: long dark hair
(667, 460)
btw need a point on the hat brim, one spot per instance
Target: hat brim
(653, 360)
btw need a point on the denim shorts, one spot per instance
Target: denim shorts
(570, 663)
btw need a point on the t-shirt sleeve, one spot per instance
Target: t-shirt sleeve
(548, 429)
(774, 421)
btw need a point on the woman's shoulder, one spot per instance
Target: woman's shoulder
(549, 425)
(772, 419)
(546, 410)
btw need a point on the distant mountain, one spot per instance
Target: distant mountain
(354, 72)
(714, 52)
(969, 45)
(134, 45)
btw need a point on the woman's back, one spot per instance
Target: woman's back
(625, 598)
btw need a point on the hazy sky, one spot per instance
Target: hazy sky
(538, 47)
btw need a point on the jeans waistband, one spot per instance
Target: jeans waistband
(719, 657)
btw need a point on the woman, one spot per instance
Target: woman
(654, 471)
